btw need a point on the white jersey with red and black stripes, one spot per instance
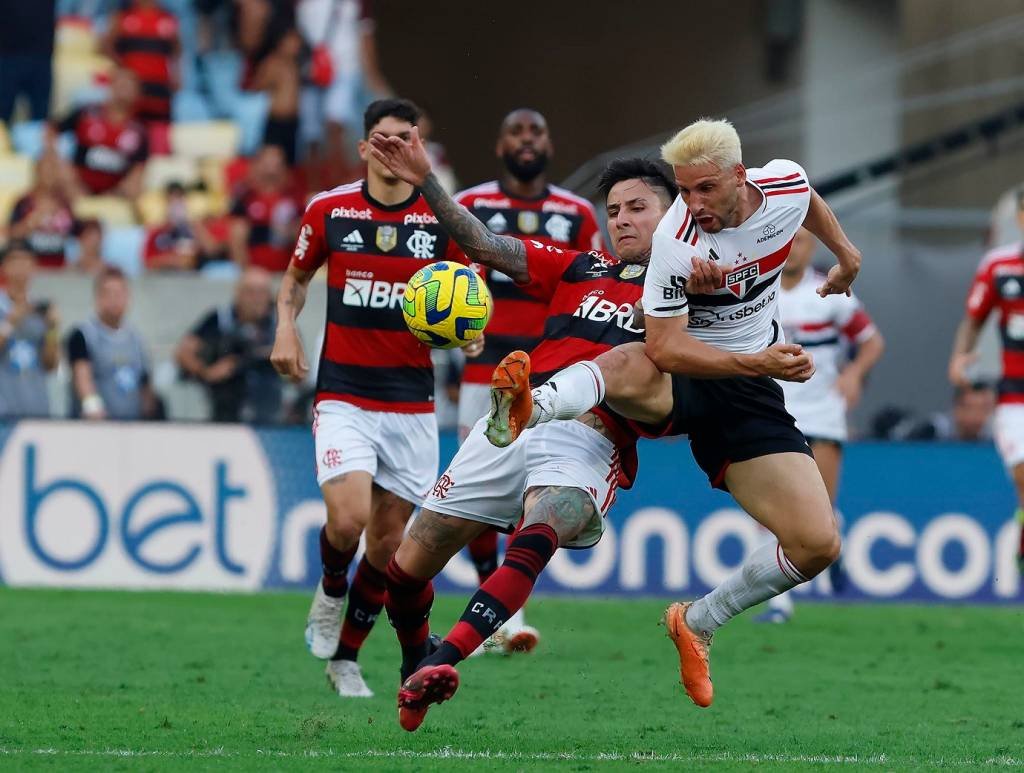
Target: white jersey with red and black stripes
(742, 314)
(821, 326)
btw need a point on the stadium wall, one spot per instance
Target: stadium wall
(232, 508)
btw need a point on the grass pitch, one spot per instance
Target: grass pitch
(159, 681)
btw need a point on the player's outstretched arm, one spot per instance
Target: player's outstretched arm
(822, 222)
(963, 355)
(288, 357)
(408, 160)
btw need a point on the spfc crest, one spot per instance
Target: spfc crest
(528, 222)
(632, 271)
(387, 237)
(741, 280)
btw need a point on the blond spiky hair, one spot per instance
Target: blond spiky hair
(703, 142)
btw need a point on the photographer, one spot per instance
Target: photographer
(229, 352)
(29, 343)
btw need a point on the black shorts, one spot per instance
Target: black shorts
(732, 420)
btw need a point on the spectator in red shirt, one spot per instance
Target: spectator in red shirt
(43, 217)
(144, 38)
(265, 216)
(184, 243)
(112, 148)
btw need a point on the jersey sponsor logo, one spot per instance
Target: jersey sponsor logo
(352, 213)
(676, 289)
(740, 281)
(1015, 326)
(104, 159)
(419, 218)
(601, 265)
(443, 486)
(598, 309)
(302, 243)
(353, 241)
(497, 223)
(632, 271)
(421, 244)
(373, 293)
(768, 232)
(747, 311)
(528, 222)
(558, 206)
(387, 238)
(558, 227)
(492, 204)
(1010, 288)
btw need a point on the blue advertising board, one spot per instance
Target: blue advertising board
(236, 508)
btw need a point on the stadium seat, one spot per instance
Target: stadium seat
(8, 199)
(15, 173)
(161, 170)
(5, 140)
(123, 246)
(214, 177)
(220, 269)
(152, 206)
(222, 73)
(74, 35)
(217, 139)
(198, 205)
(73, 76)
(109, 210)
(28, 138)
(250, 113)
(190, 107)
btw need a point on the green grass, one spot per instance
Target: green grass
(223, 682)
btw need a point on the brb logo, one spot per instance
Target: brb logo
(135, 506)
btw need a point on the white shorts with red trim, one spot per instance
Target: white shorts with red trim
(474, 402)
(487, 484)
(1008, 430)
(398, 449)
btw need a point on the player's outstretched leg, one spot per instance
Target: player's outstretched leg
(323, 624)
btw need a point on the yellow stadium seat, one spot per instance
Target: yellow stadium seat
(152, 206)
(8, 199)
(219, 203)
(74, 36)
(16, 173)
(205, 139)
(161, 170)
(198, 204)
(109, 210)
(212, 172)
(73, 73)
(5, 140)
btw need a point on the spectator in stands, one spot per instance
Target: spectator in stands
(969, 420)
(278, 75)
(144, 39)
(259, 25)
(29, 343)
(26, 55)
(90, 247)
(265, 216)
(184, 243)
(228, 351)
(111, 147)
(43, 216)
(109, 365)
(341, 33)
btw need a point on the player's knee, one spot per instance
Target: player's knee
(342, 532)
(817, 551)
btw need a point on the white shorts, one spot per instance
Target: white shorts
(822, 418)
(398, 449)
(474, 402)
(1008, 430)
(487, 484)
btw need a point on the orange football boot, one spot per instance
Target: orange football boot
(694, 666)
(431, 684)
(511, 399)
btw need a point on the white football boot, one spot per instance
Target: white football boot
(516, 636)
(346, 678)
(323, 625)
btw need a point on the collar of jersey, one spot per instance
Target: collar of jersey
(390, 207)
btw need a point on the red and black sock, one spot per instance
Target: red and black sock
(335, 565)
(365, 601)
(502, 595)
(484, 552)
(408, 602)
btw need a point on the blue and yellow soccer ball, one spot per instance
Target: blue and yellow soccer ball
(446, 305)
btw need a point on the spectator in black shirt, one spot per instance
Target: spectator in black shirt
(229, 352)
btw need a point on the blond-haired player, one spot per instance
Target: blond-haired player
(704, 369)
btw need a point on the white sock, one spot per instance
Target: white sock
(766, 573)
(568, 394)
(516, 622)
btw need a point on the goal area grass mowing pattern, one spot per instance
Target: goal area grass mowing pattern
(192, 681)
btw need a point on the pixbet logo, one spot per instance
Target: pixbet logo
(122, 516)
(352, 213)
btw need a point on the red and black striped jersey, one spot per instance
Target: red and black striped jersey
(558, 218)
(590, 297)
(146, 40)
(105, 151)
(369, 357)
(999, 285)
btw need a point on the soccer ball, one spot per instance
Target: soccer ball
(446, 305)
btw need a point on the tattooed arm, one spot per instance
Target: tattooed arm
(288, 356)
(408, 160)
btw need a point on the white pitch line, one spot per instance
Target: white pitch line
(448, 753)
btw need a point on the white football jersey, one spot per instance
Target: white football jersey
(821, 326)
(742, 314)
